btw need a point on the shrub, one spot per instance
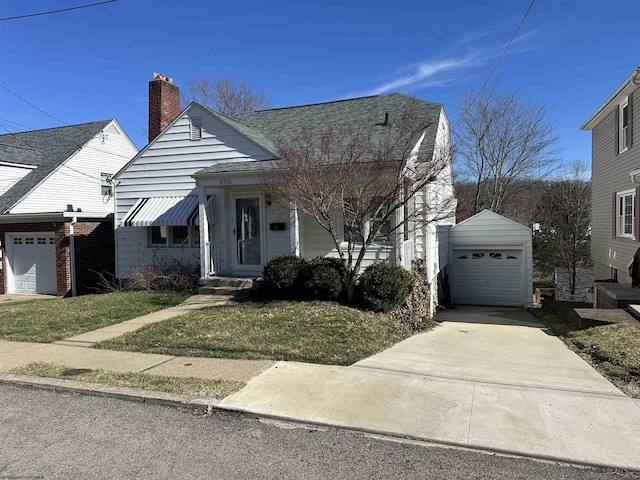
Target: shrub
(415, 312)
(282, 276)
(384, 286)
(177, 276)
(323, 278)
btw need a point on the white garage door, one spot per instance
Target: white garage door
(32, 260)
(488, 277)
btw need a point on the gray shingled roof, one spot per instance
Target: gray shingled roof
(236, 167)
(285, 124)
(45, 149)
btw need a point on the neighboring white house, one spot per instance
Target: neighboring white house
(194, 194)
(56, 200)
(491, 261)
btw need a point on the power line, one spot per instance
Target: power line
(504, 52)
(57, 11)
(12, 123)
(32, 105)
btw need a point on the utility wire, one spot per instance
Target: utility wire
(504, 52)
(50, 12)
(32, 105)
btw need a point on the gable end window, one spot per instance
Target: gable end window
(624, 125)
(196, 128)
(625, 214)
(106, 189)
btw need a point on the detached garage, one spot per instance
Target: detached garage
(491, 262)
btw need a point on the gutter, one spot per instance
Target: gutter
(632, 80)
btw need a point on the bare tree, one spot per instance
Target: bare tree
(361, 183)
(565, 237)
(500, 141)
(224, 95)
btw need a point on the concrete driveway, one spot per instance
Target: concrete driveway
(16, 297)
(485, 378)
(493, 345)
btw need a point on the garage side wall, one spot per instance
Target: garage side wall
(490, 231)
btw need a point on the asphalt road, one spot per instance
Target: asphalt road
(51, 435)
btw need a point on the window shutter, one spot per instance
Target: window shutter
(636, 214)
(617, 129)
(630, 122)
(614, 214)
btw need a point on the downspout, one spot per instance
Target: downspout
(72, 255)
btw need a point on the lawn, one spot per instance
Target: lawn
(144, 381)
(314, 332)
(59, 318)
(613, 349)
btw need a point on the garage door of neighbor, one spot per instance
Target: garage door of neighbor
(33, 263)
(488, 277)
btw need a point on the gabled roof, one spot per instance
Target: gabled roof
(44, 149)
(631, 83)
(484, 214)
(285, 124)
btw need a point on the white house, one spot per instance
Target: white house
(193, 194)
(56, 206)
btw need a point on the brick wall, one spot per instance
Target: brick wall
(164, 105)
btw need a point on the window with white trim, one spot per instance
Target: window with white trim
(181, 236)
(624, 126)
(625, 214)
(105, 184)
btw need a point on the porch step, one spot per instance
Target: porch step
(238, 288)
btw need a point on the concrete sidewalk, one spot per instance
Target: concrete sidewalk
(486, 379)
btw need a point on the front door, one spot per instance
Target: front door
(247, 226)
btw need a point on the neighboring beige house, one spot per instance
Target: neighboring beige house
(615, 182)
(56, 206)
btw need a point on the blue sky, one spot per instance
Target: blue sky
(95, 63)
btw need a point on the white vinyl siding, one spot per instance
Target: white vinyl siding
(77, 182)
(165, 168)
(10, 175)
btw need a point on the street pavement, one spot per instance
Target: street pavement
(60, 436)
(488, 379)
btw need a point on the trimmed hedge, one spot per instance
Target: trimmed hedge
(323, 278)
(385, 286)
(282, 276)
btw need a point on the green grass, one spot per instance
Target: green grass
(144, 381)
(617, 345)
(613, 349)
(314, 332)
(56, 319)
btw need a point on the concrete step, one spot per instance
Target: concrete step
(229, 282)
(235, 293)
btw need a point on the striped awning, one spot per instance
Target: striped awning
(162, 212)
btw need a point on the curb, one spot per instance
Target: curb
(105, 391)
(210, 404)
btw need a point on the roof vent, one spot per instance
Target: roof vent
(386, 120)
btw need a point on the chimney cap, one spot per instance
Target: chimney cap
(159, 76)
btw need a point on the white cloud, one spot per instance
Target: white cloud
(478, 49)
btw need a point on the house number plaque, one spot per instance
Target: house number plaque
(225, 181)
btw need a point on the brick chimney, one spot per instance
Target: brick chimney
(164, 104)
